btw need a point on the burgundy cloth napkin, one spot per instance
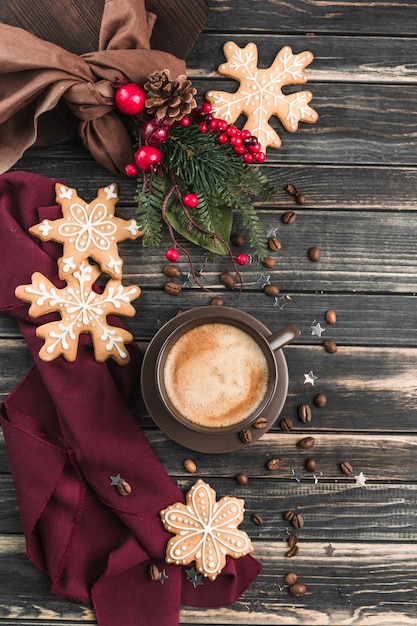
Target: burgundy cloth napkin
(67, 429)
(35, 75)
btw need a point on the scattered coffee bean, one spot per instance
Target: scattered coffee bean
(297, 521)
(286, 424)
(275, 464)
(289, 217)
(171, 270)
(124, 488)
(217, 301)
(190, 466)
(261, 422)
(291, 578)
(271, 290)
(242, 479)
(320, 400)
(237, 239)
(310, 464)
(288, 515)
(269, 262)
(245, 436)
(292, 540)
(300, 198)
(292, 552)
(304, 413)
(298, 589)
(274, 243)
(172, 288)
(228, 280)
(154, 573)
(314, 254)
(306, 442)
(346, 467)
(330, 346)
(331, 316)
(291, 189)
(257, 519)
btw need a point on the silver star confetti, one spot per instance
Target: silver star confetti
(163, 577)
(296, 475)
(317, 476)
(316, 329)
(264, 279)
(194, 577)
(282, 301)
(361, 480)
(330, 549)
(310, 378)
(281, 584)
(114, 480)
(271, 231)
(252, 606)
(283, 533)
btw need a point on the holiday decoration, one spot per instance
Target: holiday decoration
(260, 96)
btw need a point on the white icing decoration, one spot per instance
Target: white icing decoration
(111, 191)
(88, 228)
(65, 192)
(68, 264)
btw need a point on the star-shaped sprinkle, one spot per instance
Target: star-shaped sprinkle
(310, 378)
(317, 476)
(252, 606)
(317, 330)
(296, 475)
(114, 480)
(281, 584)
(163, 577)
(194, 577)
(330, 549)
(282, 301)
(283, 533)
(360, 480)
(271, 231)
(264, 279)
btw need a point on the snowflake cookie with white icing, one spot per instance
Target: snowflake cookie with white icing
(82, 310)
(88, 230)
(260, 96)
(205, 531)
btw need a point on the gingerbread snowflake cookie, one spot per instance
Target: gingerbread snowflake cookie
(82, 310)
(205, 531)
(88, 230)
(260, 96)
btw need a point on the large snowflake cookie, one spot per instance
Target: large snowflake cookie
(259, 96)
(82, 310)
(88, 230)
(205, 530)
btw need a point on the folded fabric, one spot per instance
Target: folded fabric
(35, 75)
(68, 430)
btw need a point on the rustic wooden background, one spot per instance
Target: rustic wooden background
(358, 169)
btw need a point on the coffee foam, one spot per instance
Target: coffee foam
(216, 375)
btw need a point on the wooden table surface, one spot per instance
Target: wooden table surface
(357, 167)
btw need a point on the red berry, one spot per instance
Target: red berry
(203, 127)
(247, 157)
(131, 169)
(185, 121)
(232, 130)
(155, 132)
(147, 157)
(172, 254)
(259, 157)
(254, 148)
(190, 200)
(242, 259)
(223, 125)
(130, 99)
(246, 134)
(235, 140)
(207, 107)
(222, 138)
(239, 149)
(214, 124)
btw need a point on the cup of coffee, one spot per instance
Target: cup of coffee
(216, 370)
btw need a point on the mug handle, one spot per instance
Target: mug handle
(283, 336)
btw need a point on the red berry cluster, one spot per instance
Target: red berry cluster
(243, 142)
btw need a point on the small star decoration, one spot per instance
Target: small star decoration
(194, 577)
(310, 378)
(252, 606)
(361, 480)
(330, 549)
(296, 475)
(281, 584)
(163, 577)
(114, 480)
(317, 330)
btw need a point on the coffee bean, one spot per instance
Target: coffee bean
(306, 442)
(124, 488)
(320, 400)
(330, 346)
(292, 540)
(171, 271)
(298, 589)
(288, 515)
(154, 573)
(257, 519)
(261, 422)
(291, 189)
(292, 552)
(269, 262)
(271, 290)
(331, 316)
(274, 243)
(228, 280)
(310, 464)
(297, 521)
(346, 467)
(237, 239)
(245, 436)
(314, 254)
(304, 413)
(289, 217)
(286, 424)
(172, 288)
(217, 301)
(190, 466)
(275, 464)
(242, 479)
(300, 198)
(291, 578)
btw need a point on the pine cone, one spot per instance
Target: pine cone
(168, 98)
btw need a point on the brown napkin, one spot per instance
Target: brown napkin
(36, 74)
